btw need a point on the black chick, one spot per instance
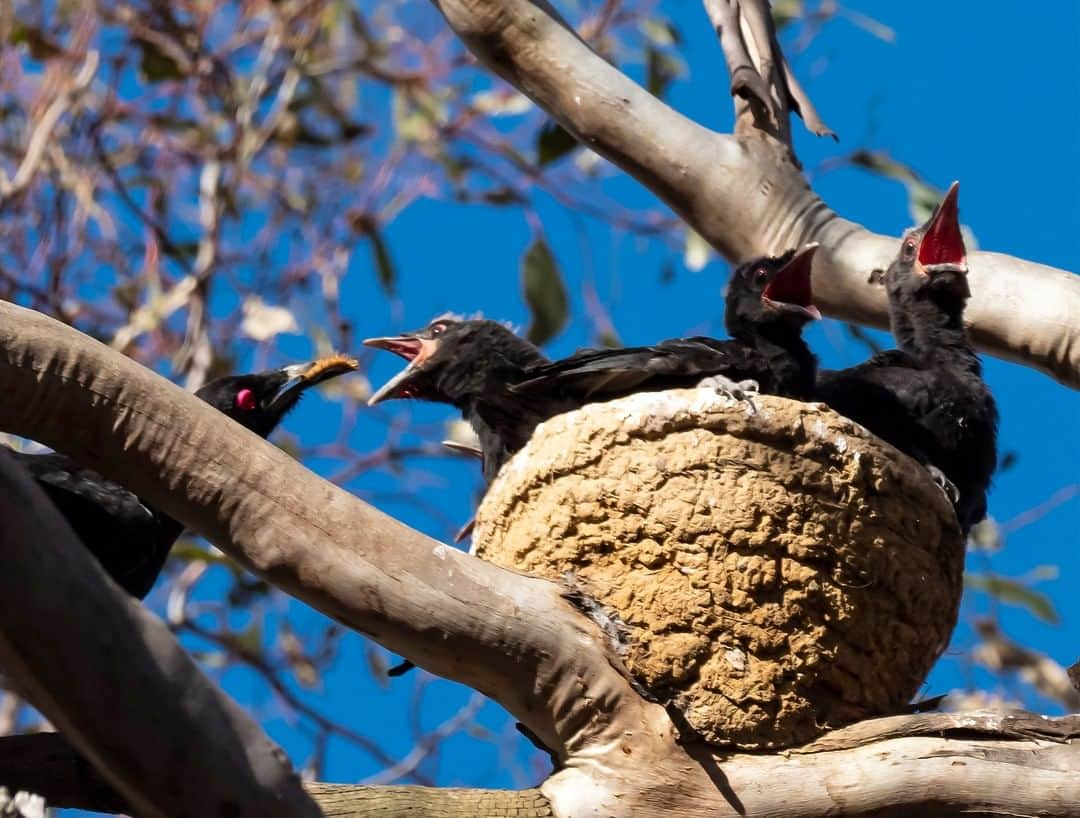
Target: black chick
(768, 303)
(928, 398)
(130, 538)
(471, 364)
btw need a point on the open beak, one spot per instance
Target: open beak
(790, 290)
(304, 376)
(942, 251)
(412, 349)
(942, 246)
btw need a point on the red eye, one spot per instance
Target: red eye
(245, 399)
(438, 329)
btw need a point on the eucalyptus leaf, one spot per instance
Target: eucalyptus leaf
(553, 143)
(156, 65)
(696, 251)
(1012, 592)
(384, 264)
(545, 292)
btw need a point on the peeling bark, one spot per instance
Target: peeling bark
(745, 193)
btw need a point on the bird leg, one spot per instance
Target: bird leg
(944, 483)
(736, 390)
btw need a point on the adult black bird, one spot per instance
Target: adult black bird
(130, 538)
(768, 303)
(928, 398)
(470, 364)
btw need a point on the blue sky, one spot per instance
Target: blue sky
(986, 94)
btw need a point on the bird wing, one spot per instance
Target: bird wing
(115, 525)
(74, 487)
(593, 374)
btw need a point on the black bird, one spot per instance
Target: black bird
(470, 364)
(768, 303)
(504, 387)
(928, 398)
(130, 538)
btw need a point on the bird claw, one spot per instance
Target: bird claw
(736, 390)
(945, 484)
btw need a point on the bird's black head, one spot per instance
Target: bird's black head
(261, 400)
(771, 292)
(932, 262)
(455, 361)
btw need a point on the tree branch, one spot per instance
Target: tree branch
(746, 196)
(46, 764)
(940, 764)
(43, 128)
(116, 681)
(512, 637)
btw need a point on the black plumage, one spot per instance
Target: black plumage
(471, 364)
(504, 386)
(768, 303)
(129, 537)
(928, 398)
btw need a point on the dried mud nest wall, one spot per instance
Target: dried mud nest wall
(777, 573)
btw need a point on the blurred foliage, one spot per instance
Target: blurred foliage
(1014, 592)
(545, 292)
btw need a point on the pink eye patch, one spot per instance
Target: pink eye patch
(245, 399)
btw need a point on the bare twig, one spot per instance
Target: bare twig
(42, 132)
(747, 197)
(999, 653)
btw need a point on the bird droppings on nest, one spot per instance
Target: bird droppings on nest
(773, 584)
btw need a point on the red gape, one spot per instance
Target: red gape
(943, 242)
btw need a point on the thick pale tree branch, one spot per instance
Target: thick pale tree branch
(939, 764)
(512, 637)
(46, 764)
(745, 194)
(114, 679)
(515, 637)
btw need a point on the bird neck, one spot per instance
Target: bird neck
(783, 341)
(901, 326)
(773, 335)
(938, 335)
(480, 380)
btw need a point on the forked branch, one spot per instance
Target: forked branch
(512, 637)
(746, 196)
(939, 764)
(760, 75)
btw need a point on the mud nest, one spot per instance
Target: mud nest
(776, 574)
